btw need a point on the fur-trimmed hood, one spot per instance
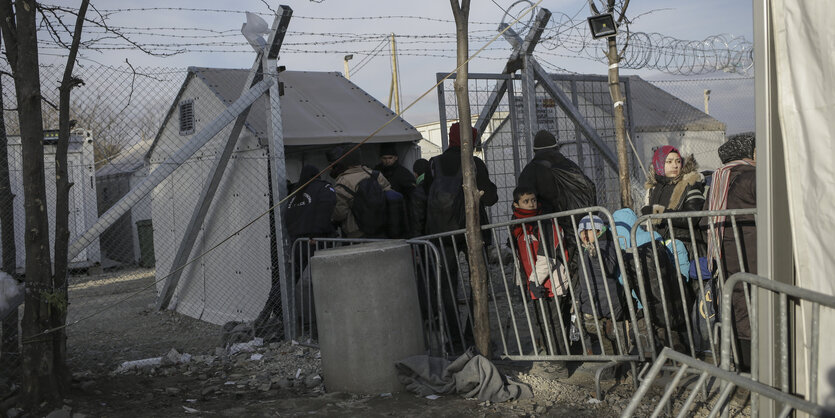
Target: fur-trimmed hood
(689, 173)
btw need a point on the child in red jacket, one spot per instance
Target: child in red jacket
(539, 262)
(544, 269)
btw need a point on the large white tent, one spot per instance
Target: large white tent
(799, 74)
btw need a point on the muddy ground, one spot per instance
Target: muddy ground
(113, 321)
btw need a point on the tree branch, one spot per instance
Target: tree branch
(593, 7)
(623, 12)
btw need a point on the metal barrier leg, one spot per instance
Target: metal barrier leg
(598, 375)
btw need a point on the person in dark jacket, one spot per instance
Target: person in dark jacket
(449, 164)
(735, 187)
(417, 200)
(400, 178)
(598, 290)
(538, 175)
(675, 185)
(309, 209)
(445, 169)
(308, 215)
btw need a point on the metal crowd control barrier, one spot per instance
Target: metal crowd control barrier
(546, 329)
(785, 293)
(700, 224)
(427, 273)
(723, 381)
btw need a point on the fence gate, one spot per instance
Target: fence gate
(505, 142)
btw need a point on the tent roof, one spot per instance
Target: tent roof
(128, 161)
(317, 108)
(655, 110)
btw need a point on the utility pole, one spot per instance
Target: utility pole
(347, 71)
(618, 101)
(395, 81)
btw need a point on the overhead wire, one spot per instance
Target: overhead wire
(396, 116)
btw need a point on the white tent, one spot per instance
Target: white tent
(803, 38)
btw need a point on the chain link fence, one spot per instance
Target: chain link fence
(128, 123)
(130, 120)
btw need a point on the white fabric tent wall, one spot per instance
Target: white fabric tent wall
(804, 39)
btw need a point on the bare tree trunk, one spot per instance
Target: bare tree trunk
(7, 233)
(620, 124)
(39, 380)
(478, 271)
(62, 206)
(8, 345)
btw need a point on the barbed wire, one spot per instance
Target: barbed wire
(565, 36)
(652, 50)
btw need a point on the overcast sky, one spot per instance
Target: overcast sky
(319, 35)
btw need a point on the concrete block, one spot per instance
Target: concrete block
(368, 315)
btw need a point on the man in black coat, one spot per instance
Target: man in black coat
(538, 174)
(446, 174)
(402, 180)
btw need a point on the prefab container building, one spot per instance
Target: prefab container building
(82, 196)
(120, 243)
(318, 111)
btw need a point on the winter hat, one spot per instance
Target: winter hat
(388, 149)
(455, 135)
(543, 140)
(586, 223)
(737, 147)
(660, 157)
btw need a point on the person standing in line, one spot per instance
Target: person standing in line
(735, 187)
(675, 185)
(347, 184)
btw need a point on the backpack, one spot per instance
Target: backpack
(396, 212)
(369, 206)
(577, 189)
(445, 201)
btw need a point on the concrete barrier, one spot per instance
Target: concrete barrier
(367, 313)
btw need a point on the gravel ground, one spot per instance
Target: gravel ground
(198, 376)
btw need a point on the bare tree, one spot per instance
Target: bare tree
(45, 375)
(614, 58)
(472, 196)
(58, 317)
(9, 256)
(8, 344)
(40, 380)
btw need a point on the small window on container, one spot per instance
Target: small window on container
(187, 117)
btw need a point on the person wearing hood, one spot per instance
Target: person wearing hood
(598, 291)
(735, 187)
(674, 184)
(554, 195)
